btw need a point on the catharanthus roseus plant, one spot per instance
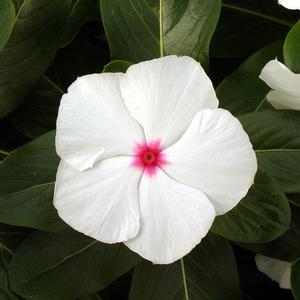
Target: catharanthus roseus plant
(148, 159)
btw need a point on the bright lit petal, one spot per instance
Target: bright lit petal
(284, 82)
(174, 219)
(165, 94)
(215, 156)
(101, 202)
(290, 4)
(93, 122)
(277, 270)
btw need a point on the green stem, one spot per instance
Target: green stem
(53, 84)
(257, 14)
(184, 279)
(161, 41)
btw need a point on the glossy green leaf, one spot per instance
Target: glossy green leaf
(249, 25)
(66, 266)
(38, 114)
(263, 215)
(29, 49)
(139, 30)
(5, 291)
(286, 247)
(242, 91)
(210, 271)
(295, 279)
(80, 12)
(7, 17)
(117, 66)
(291, 49)
(27, 178)
(275, 136)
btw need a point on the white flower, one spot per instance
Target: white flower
(285, 85)
(276, 269)
(290, 4)
(148, 159)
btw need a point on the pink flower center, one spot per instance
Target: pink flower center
(149, 157)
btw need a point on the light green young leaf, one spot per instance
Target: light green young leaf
(34, 40)
(210, 272)
(291, 49)
(66, 266)
(27, 179)
(139, 30)
(263, 215)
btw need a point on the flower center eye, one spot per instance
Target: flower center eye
(149, 157)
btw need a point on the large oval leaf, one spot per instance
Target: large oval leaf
(275, 136)
(242, 91)
(29, 49)
(208, 272)
(27, 179)
(248, 25)
(138, 30)
(66, 266)
(263, 215)
(291, 49)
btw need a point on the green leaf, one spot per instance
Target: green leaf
(66, 266)
(7, 17)
(295, 279)
(80, 12)
(117, 66)
(27, 179)
(139, 30)
(210, 273)
(5, 291)
(242, 91)
(38, 114)
(249, 25)
(11, 237)
(263, 215)
(286, 247)
(30, 49)
(276, 140)
(291, 49)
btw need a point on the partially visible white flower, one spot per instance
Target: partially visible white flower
(290, 4)
(277, 270)
(148, 159)
(284, 83)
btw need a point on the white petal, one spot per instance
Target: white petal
(215, 156)
(290, 4)
(93, 122)
(285, 83)
(277, 270)
(165, 94)
(174, 219)
(101, 202)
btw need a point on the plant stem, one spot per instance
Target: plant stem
(161, 40)
(184, 279)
